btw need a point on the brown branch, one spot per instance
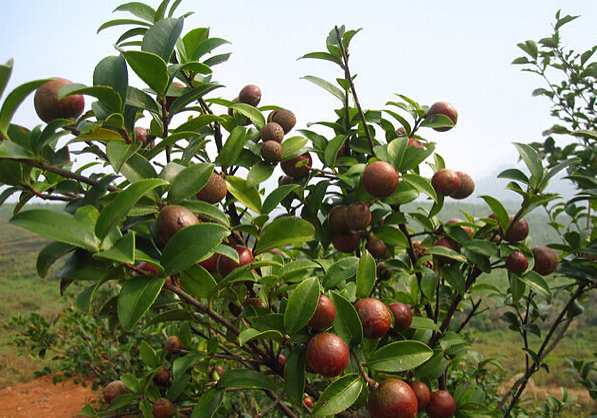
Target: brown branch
(270, 406)
(46, 196)
(370, 382)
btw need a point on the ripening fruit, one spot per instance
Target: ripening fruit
(516, 262)
(324, 315)
(282, 359)
(48, 107)
(272, 131)
(517, 231)
(383, 272)
(401, 131)
(289, 167)
(380, 179)
(143, 136)
(452, 221)
(393, 398)
(443, 108)
(546, 260)
(308, 401)
(225, 265)
(337, 218)
(375, 317)
(255, 302)
(445, 182)
(163, 408)
(173, 344)
(467, 186)
(358, 216)
(271, 151)
(327, 354)
(413, 142)
(448, 243)
(173, 218)
(377, 248)
(162, 376)
(346, 242)
(113, 390)
(210, 264)
(403, 316)
(250, 94)
(422, 393)
(214, 191)
(285, 118)
(441, 405)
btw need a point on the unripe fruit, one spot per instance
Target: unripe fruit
(337, 218)
(422, 393)
(324, 315)
(210, 264)
(467, 186)
(445, 182)
(250, 94)
(173, 344)
(308, 402)
(546, 260)
(113, 390)
(346, 242)
(285, 118)
(441, 405)
(358, 216)
(163, 408)
(48, 107)
(214, 191)
(327, 354)
(271, 151)
(173, 218)
(162, 376)
(403, 316)
(380, 179)
(290, 168)
(393, 398)
(377, 248)
(271, 131)
(443, 108)
(517, 231)
(375, 317)
(516, 262)
(225, 265)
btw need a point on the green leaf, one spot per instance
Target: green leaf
(150, 68)
(331, 150)
(13, 151)
(246, 379)
(206, 47)
(276, 196)
(140, 10)
(207, 210)
(148, 355)
(106, 95)
(532, 161)
(342, 269)
(366, 273)
(14, 100)
(182, 364)
(57, 226)
(5, 72)
(455, 278)
(101, 135)
(302, 304)
(136, 297)
(249, 111)
(499, 211)
(123, 251)
(198, 282)
(396, 150)
(400, 356)
(138, 98)
(260, 172)
(232, 148)
(119, 22)
(293, 147)
(536, 282)
(339, 396)
(421, 184)
(391, 235)
(119, 207)
(49, 255)
(208, 403)
(482, 247)
(423, 323)
(251, 334)
(294, 374)
(326, 86)
(190, 245)
(189, 181)
(248, 196)
(119, 152)
(347, 323)
(323, 56)
(161, 37)
(285, 231)
(197, 92)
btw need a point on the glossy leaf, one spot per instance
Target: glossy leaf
(182, 364)
(246, 379)
(207, 210)
(49, 255)
(161, 37)
(536, 282)
(248, 196)
(136, 297)
(391, 235)
(119, 22)
(251, 334)
(421, 184)
(342, 269)
(189, 182)
(285, 231)
(13, 101)
(123, 250)
(399, 356)
(499, 211)
(150, 68)
(366, 274)
(326, 86)
(232, 147)
(339, 396)
(260, 172)
(119, 152)
(249, 111)
(294, 374)
(106, 95)
(301, 305)
(140, 10)
(276, 196)
(323, 56)
(208, 403)
(5, 72)
(347, 323)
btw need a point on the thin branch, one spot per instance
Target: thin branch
(370, 382)
(66, 173)
(269, 407)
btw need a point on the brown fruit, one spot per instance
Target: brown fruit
(210, 264)
(337, 218)
(289, 167)
(271, 151)
(143, 136)
(285, 118)
(403, 316)
(271, 131)
(346, 242)
(380, 179)
(516, 262)
(173, 344)
(113, 390)
(173, 218)
(413, 142)
(383, 272)
(327, 354)
(358, 216)
(441, 405)
(250, 94)
(393, 398)
(401, 131)
(162, 376)
(48, 107)
(225, 265)
(231, 110)
(443, 108)
(375, 317)
(163, 408)
(324, 315)
(517, 231)
(422, 393)
(546, 260)
(445, 182)
(377, 248)
(214, 191)
(255, 302)
(284, 180)
(467, 186)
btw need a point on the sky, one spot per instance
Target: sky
(458, 51)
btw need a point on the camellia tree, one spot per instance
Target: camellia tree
(321, 292)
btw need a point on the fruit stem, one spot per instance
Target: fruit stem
(370, 382)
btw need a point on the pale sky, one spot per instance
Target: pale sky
(457, 51)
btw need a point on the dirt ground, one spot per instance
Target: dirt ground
(41, 398)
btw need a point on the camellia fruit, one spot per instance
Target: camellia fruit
(226, 265)
(113, 390)
(290, 168)
(163, 408)
(327, 354)
(214, 191)
(393, 398)
(250, 94)
(377, 248)
(380, 179)
(283, 117)
(375, 317)
(324, 315)
(516, 262)
(443, 108)
(358, 216)
(173, 344)
(173, 218)
(162, 376)
(403, 316)
(445, 182)
(546, 260)
(346, 242)
(337, 218)
(48, 107)
(517, 231)
(272, 131)
(423, 394)
(441, 405)
(467, 186)
(271, 152)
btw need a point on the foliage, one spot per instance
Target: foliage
(246, 319)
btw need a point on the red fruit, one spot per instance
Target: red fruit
(413, 142)
(393, 398)
(546, 260)
(337, 218)
(445, 182)
(308, 401)
(375, 317)
(327, 354)
(113, 390)
(250, 94)
(219, 370)
(443, 108)
(403, 316)
(225, 265)
(282, 360)
(162, 376)
(146, 269)
(210, 264)
(423, 394)
(516, 262)
(173, 344)
(289, 167)
(467, 186)
(358, 216)
(441, 405)
(324, 315)
(380, 179)
(163, 408)
(346, 242)
(517, 231)
(48, 107)
(377, 248)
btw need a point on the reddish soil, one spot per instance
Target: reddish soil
(41, 398)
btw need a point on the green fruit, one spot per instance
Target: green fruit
(327, 354)
(214, 191)
(173, 218)
(48, 107)
(393, 398)
(380, 179)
